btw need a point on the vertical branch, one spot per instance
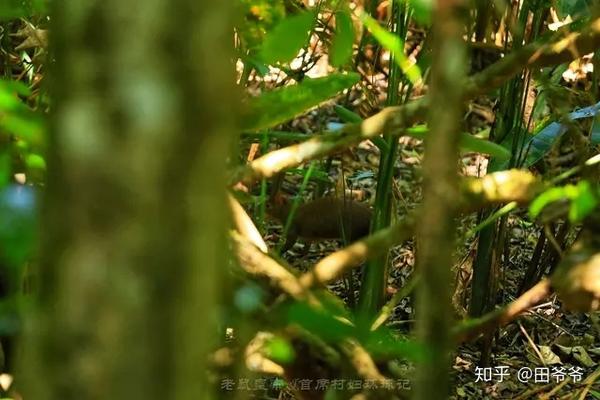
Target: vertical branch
(372, 290)
(440, 190)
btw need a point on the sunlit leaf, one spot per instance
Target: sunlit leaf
(583, 202)
(10, 88)
(549, 196)
(277, 106)
(343, 40)
(395, 45)
(284, 42)
(35, 161)
(583, 199)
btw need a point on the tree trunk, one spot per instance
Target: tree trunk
(134, 211)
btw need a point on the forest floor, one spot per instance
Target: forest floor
(544, 354)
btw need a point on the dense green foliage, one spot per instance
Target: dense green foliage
(315, 80)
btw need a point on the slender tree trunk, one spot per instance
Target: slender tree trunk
(134, 211)
(440, 192)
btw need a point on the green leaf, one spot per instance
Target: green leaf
(320, 323)
(12, 87)
(549, 196)
(572, 7)
(472, 143)
(595, 393)
(541, 143)
(35, 161)
(341, 45)
(4, 169)
(280, 350)
(395, 46)
(384, 343)
(467, 142)
(14, 9)
(583, 199)
(18, 221)
(258, 66)
(28, 126)
(583, 202)
(422, 10)
(284, 42)
(280, 105)
(347, 115)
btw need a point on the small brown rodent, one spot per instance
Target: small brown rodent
(323, 218)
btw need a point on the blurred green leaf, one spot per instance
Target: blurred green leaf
(16, 117)
(280, 105)
(343, 40)
(259, 17)
(583, 199)
(316, 176)
(258, 66)
(572, 7)
(595, 393)
(286, 39)
(13, 9)
(8, 94)
(395, 46)
(347, 115)
(280, 350)
(17, 224)
(383, 343)
(28, 126)
(320, 323)
(422, 11)
(583, 202)
(549, 196)
(35, 161)
(472, 143)
(467, 142)
(4, 169)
